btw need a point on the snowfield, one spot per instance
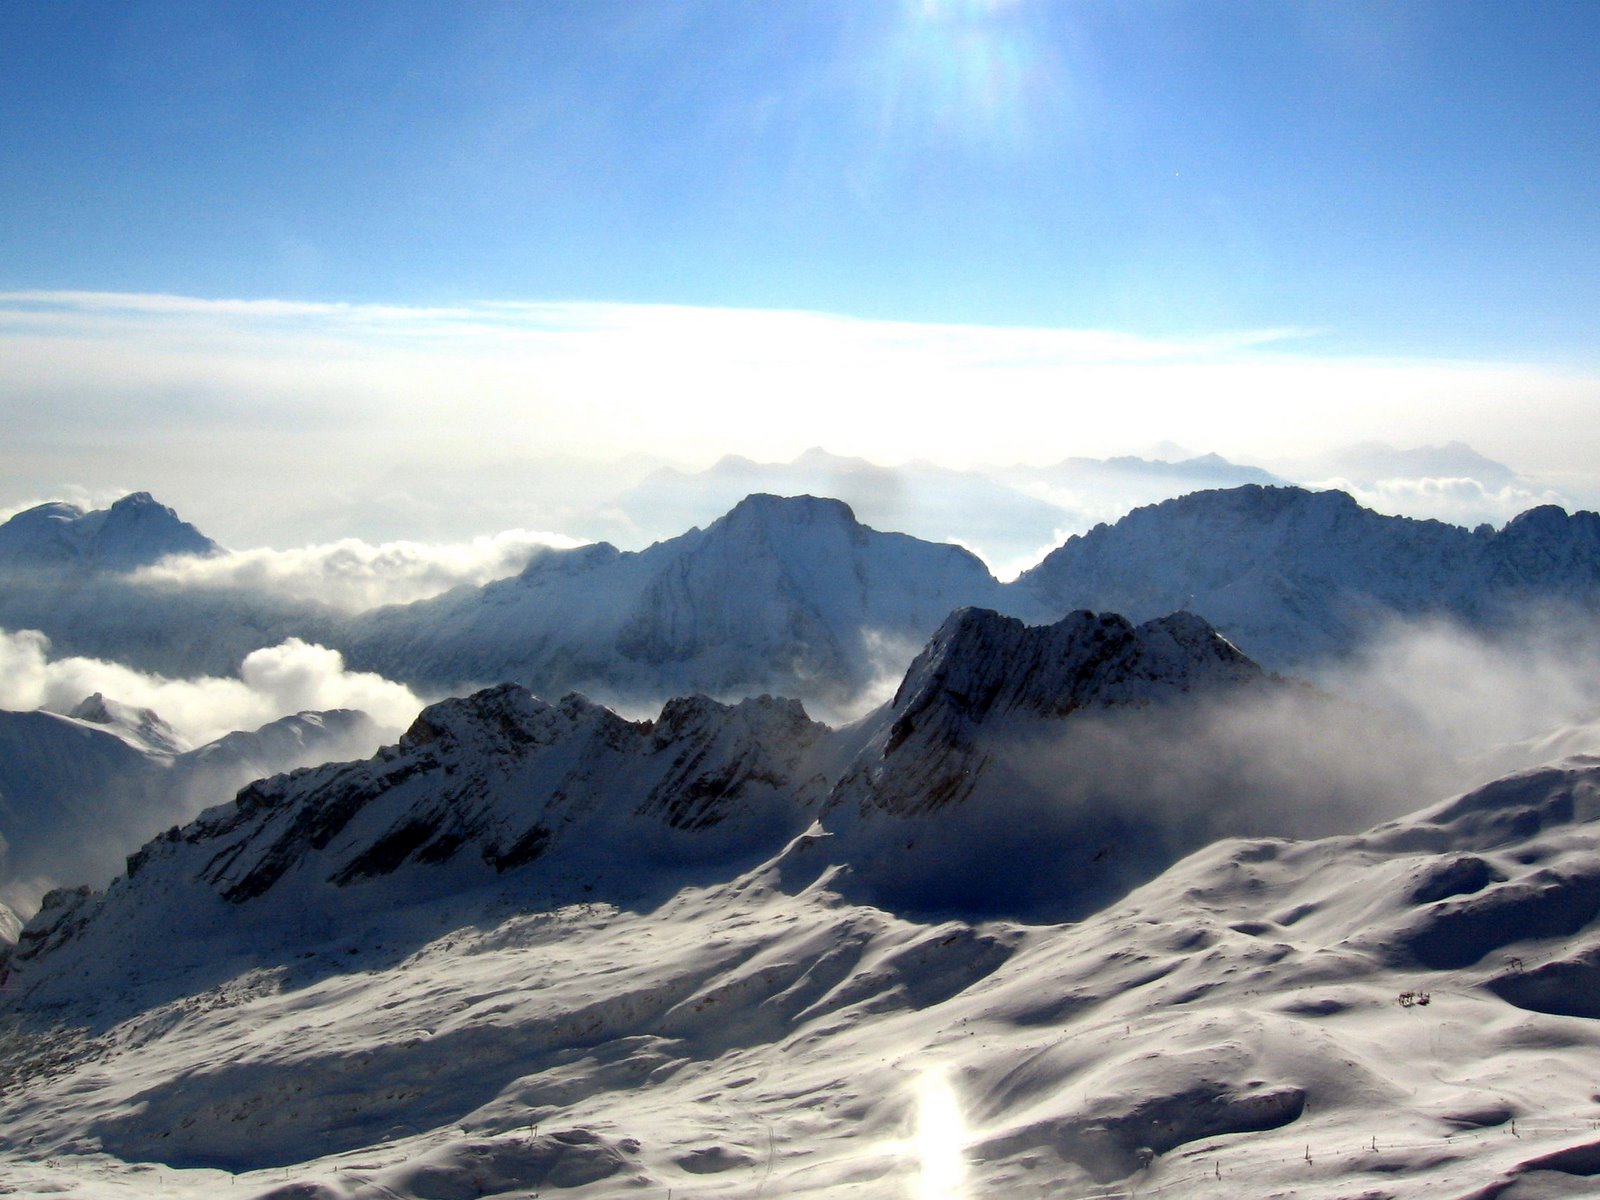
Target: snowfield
(537, 948)
(1388, 1014)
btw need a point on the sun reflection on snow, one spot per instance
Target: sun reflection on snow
(940, 1141)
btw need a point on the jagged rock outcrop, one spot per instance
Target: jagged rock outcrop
(496, 780)
(984, 669)
(985, 785)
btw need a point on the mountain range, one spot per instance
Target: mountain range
(537, 946)
(795, 595)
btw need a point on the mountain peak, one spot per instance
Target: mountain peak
(135, 531)
(982, 664)
(142, 725)
(767, 509)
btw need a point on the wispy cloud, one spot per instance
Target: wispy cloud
(352, 574)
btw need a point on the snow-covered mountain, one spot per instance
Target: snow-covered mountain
(66, 573)
(1293, 576)
(955, 800)
(351, 982)
(793, 596)
(133, 532)
(580, 802)
(985, 512)
(80, 792)
(1009, 516)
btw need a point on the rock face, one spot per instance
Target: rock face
(971, 789)
(1294, 576)
(499, 780)
(985, 669)
(786, 595)
(570, 802)
(133, 532)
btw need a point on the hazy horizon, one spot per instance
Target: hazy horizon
(307, 273)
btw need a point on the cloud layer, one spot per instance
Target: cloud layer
(353, 575)
(274, 682)
(275, 404)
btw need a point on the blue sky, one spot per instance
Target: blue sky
(1409, 184)
(1421, 177)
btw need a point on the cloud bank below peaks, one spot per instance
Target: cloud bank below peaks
(354, 575)
(273, 682)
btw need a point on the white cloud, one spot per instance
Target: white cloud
(274, 682)
(1458, 501)
(353, 575)
(257, 399)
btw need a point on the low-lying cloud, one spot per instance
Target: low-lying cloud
(276, 681)
(1484, 698)
(353, 575)
(1458, 501)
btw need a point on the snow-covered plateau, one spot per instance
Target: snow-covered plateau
(537, 948)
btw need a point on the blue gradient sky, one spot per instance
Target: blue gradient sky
(1420, 177)
(1248, 227)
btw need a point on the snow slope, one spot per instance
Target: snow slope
(783, 595)
(1294, 576)
(78, 793)
(1403, 1013)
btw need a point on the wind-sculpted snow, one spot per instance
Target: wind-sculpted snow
(1266, 1017)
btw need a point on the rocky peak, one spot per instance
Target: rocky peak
(981, 664)
(501, 722)
(142, 724)
(982, 668)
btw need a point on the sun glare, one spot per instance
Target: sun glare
(940, 1139)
